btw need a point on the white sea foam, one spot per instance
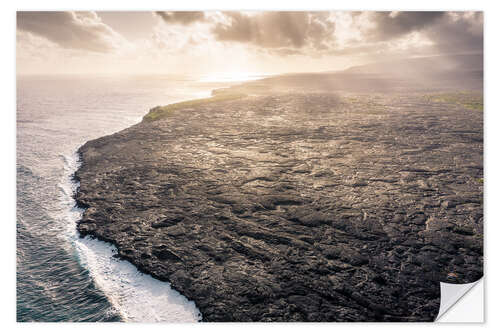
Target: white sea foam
(136, 296)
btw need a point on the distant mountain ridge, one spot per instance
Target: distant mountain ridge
(454, 63)
(437, 73)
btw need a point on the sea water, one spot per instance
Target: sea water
(60, 276)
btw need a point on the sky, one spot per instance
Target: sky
(219, 42)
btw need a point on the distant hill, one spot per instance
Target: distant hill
(458, 72)
(422, 65)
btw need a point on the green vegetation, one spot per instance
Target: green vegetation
(469, 100)
(160, 112)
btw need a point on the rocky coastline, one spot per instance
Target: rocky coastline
(297, 204)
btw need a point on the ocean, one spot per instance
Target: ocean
(60, 276)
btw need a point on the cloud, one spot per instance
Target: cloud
(405, 34)
(290, 30)
(460, 32)
(72, 30)
(214, 40)
(451, 32)
(316, 34)
(184, 18)
(390, 25)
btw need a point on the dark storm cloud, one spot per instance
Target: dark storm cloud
(391, 25)
(184, 18)
(277, 29)
(75, 30)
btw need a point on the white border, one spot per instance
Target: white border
(7, 132)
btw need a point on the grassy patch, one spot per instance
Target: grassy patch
(160, 112)
(469, 100)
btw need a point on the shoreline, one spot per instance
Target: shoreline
(230, 228)
(108, 243)
(93, 249)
